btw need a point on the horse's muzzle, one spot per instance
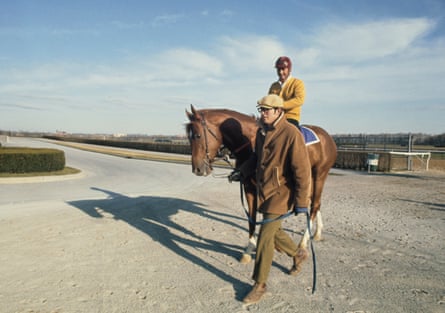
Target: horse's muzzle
(203, 170)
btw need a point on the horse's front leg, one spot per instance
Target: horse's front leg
(251, 244)
(247, 254)
(315, 222)
(302, 251)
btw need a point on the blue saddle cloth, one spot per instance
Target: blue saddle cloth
(310, 137)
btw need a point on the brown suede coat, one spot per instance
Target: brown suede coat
(283, 171)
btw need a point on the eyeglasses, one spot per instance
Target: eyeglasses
(264, 110)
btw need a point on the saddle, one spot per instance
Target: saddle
(310, 137)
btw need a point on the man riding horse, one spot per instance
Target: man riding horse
(290, 89)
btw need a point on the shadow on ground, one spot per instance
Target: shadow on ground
(153, 216)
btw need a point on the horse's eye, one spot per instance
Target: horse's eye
(193, 135)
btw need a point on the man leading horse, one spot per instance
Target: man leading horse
(282, 171)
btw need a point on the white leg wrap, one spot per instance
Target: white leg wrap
(306, 237)
(304, 240)
(251, 246)
(318, 229)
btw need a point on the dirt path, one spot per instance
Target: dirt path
(145, 243)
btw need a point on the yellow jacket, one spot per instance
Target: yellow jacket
(292, 92)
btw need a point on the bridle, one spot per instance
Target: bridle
(206, 128)
(225, 157)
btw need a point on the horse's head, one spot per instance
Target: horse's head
(205, 141)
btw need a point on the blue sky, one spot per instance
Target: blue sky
(134, 67)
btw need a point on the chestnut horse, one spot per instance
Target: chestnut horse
(209, 129)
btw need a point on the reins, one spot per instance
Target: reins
(207, 129)
(226, 157)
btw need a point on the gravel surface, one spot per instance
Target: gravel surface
(141, 236)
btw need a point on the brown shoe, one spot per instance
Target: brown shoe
(299, 258)
(255, 295)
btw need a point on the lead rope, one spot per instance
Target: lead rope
(296, 211)
(314, 261)
(225, 158)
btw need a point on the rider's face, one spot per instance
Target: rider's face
(283, 73)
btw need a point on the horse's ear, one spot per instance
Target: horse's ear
(193, 109)
(195, 113)
(189, 115)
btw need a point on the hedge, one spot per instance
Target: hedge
(27, 160)
(146, 146)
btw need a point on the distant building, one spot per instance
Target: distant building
(119, 135)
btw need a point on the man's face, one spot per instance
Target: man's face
(283, 73)
(268, 116)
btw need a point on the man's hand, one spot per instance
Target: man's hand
(234, 176)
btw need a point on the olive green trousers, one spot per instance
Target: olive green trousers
(271, 235)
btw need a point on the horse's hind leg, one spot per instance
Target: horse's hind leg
(315, 220)
(318, 185)
(319, 223)
(302, 252)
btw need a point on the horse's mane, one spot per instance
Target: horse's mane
(230, 118)
(209, 113)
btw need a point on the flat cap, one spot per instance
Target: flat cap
(270, 101)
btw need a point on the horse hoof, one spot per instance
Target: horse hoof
(299, 258)
(246, 258)
(295, 270)
(318, 237)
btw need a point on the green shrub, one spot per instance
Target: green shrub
(28, 160)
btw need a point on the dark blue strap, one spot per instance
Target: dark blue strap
(300, 210)
(296, 211)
